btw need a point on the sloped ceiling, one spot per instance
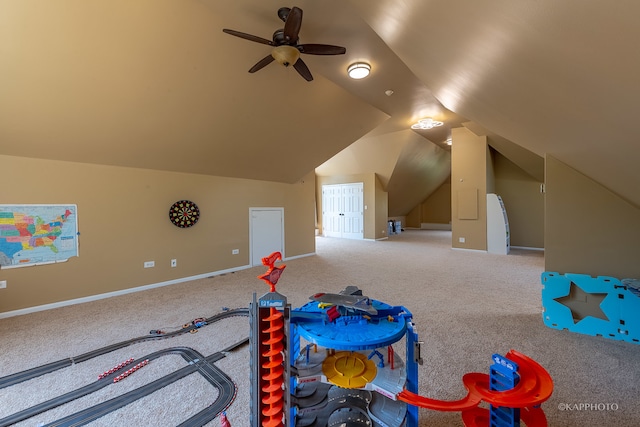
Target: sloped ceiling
(556, 77)
(370, 154)
(408, 166)
(529, 162)
(157, 84)
(421, 168)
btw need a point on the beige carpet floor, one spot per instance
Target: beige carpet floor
(466, 305)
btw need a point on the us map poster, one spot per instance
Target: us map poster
(37, 234)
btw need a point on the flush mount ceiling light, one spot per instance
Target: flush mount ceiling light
(427, 123)
(449, 141)
(359, 70)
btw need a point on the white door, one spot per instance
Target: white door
(343, 210)
(331, 210)
(352, 211)
(266, 233)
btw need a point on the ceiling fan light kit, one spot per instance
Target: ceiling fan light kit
(285, 55)
(359, 70)
(286, 49)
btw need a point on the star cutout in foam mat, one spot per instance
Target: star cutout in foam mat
(583, 304)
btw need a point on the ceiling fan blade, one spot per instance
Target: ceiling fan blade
(293, 24)
(303, 70)
(262, 63)
(321, 49)
(248, 36)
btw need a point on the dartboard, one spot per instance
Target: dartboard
(184, 213)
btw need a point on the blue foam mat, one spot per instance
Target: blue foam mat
(618, 306)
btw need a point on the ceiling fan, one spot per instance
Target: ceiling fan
(286, 49)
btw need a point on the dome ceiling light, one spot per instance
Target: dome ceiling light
(359, 70)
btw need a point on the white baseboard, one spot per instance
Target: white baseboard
(299, 256)
(129, 291)
(528, 248)
(434, 226)
(469, 250)
(117, 293)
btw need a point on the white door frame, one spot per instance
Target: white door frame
(252, 261)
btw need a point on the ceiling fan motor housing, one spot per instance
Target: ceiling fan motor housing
(279, 37)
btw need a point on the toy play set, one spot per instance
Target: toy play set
(332, 362)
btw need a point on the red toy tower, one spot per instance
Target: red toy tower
(268, 347)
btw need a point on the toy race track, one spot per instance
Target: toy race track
(197, 363)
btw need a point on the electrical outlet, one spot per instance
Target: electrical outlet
(3, 284)
(149, 264)
(174, 262)
(235, 251)
(461, 239)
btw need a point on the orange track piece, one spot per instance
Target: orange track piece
(535, 387)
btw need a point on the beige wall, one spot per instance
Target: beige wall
(435, 209)
(588, 228)
(412, 219)
(375, 201)
(382, 210)
(523, 202)
(123, 221)
(469, 155)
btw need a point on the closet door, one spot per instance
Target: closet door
(331, 210)
(343, 210)
(352, 211)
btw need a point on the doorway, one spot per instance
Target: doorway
(266, 233)
(343, 210)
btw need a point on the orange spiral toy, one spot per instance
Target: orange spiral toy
(272, 332)
(273, 379)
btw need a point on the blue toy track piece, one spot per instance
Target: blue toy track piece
(503, 375)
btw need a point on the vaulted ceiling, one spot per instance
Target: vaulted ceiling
(157, 84)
